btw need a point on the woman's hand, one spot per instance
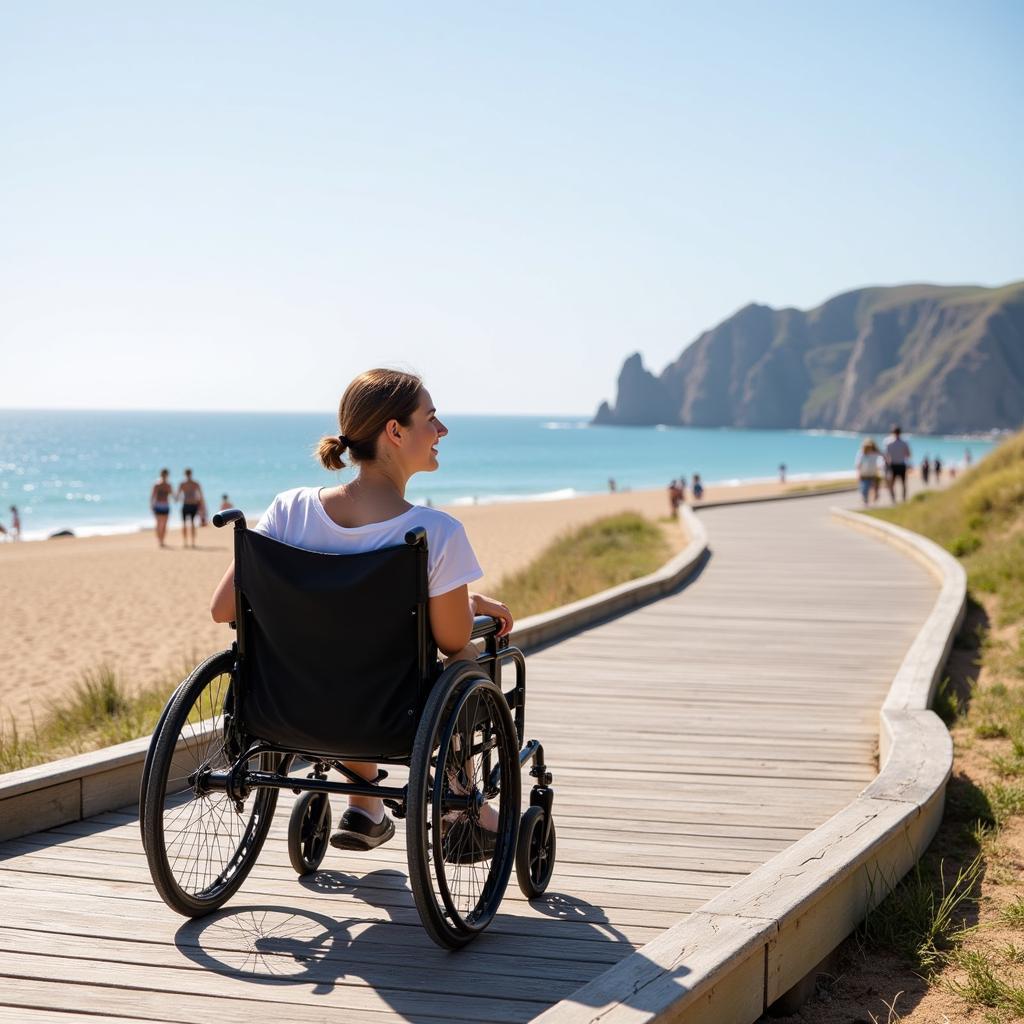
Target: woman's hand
(482, 605)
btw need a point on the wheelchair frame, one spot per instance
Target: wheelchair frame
(438, 761)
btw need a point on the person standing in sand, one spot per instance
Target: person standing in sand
(390, 430)
(696, 487)
(225, 503)
(160, 503)
(190, 494)
(15, 523)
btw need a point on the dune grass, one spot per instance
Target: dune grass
(592, 558)
(100, 711)
(103, 709)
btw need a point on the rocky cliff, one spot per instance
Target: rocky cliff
(936, 359)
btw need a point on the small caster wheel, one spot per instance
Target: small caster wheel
(535, 858)
(309, 830)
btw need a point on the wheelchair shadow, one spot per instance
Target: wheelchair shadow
(273, 944)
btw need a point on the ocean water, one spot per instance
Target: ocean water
(92, 472)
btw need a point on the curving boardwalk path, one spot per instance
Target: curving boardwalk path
(691, 740)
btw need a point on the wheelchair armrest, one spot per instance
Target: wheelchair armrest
(484, 625)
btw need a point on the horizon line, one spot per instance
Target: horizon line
(265, 412)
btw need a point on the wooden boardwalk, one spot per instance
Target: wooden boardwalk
(690, 740)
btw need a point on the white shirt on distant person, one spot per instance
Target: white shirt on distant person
(298, 518)
(869, 464)
(897, 451)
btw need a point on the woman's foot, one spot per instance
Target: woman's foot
(466, 842)
(359, 831)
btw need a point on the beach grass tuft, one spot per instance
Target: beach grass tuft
(101, 710)
(601, 554)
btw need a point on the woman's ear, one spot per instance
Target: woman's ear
(393, 431)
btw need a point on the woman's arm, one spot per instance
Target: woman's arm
(451, 620)
(222, 604)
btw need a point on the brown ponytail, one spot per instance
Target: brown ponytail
(372, 399)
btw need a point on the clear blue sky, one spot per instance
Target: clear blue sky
(240, 205)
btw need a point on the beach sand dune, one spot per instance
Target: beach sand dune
(72, 605)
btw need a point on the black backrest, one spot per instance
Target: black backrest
(331, 660)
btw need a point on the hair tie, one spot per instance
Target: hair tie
(344, 440)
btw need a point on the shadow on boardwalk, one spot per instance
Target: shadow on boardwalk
(273, 944)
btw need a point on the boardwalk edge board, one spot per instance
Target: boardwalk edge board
(77, 787)
(755, 942)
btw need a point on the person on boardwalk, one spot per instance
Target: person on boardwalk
(15, 523)
(869, 465)
(160, 503)
(897, 458)
(926, 470)
(696, 487)
(390, 430)
(190, 494)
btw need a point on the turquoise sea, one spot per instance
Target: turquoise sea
(91, 472)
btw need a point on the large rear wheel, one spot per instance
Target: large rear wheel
(199, 844)
(464, 760)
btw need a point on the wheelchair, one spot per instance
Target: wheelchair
(334, 661)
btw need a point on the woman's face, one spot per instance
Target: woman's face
(423, 433)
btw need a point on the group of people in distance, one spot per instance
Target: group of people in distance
(892, 463)
(677, 491)
(14, 533)
(193, 506)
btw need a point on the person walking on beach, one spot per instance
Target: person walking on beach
(675, 497)
(697, 487)
(897, 458)
(225, 503)
(782, 472)
(190, 494)
(160, 503)
(15, 523)
(869, 465)
(390, 430)
(937, 467)
(926, 470)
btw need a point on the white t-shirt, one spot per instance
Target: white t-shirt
(299, 518)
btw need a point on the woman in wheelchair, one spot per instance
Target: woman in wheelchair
(342, 598)
(390, 430)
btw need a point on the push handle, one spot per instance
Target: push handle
(229, 515)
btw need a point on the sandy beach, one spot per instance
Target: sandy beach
(71, 605)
